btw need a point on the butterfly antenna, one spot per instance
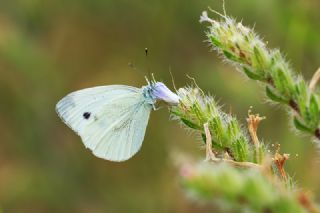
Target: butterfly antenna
(147, 80)
(172, 79)
(153, 78)
(146, 51)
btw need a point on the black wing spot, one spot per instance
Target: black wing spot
(86, 115)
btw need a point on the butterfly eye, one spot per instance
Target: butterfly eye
(86, 115)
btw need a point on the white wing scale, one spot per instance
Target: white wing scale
(117, 122)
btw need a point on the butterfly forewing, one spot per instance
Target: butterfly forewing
(111, 120)
(80, 105)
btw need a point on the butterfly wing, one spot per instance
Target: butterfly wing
(111, 120)
(72, 108)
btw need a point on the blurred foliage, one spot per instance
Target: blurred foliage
(245, 190)
(50, 48)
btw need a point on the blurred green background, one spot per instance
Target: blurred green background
(50, 48)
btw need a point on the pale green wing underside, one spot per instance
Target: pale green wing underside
(118, 118)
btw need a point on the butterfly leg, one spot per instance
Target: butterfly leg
(209, 153)
(155, 108)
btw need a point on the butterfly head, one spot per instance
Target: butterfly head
(159, 91)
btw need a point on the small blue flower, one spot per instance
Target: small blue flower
(161, 92)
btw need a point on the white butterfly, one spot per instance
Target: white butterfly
(112, 120)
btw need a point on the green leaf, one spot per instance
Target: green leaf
(313, 107)
(175, 112)
(196, 109)
(214, 144)
(301, 96)
(215, 42)
(218, 130)
(252, 75)
(258, 56)
(283, 82)
(274, 97)
(240, 149)
(300, 126)
(190, 124)
(230, 56)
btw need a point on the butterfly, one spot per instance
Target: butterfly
(112, 120)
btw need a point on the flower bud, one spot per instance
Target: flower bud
(161, 92)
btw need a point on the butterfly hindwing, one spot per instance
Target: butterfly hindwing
(123, 137)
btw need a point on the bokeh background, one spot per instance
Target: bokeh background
(50, 48)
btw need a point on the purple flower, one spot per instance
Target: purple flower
(161, 92)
